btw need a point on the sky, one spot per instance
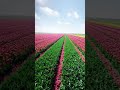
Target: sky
(60, 16)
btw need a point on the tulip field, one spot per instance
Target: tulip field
(60, 62)
(103, 56)
(44, 41)
(44, 61)
(16, 45)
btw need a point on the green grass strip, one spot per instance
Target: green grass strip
(45, 67)
(73, 72)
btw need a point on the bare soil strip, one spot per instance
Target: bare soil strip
(59, 70)
(82, 57)
(112, 71)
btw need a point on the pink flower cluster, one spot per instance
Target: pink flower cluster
(43, 40)
(79, 41)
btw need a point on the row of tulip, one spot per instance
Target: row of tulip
(96, 74)
(63, 69)
(45, 67)
(16, 43)
(79, 41)
(73, 71)
(109, 31)
(80, 35)
(108, 40)
(43, 40)
(11, 26)
(57, 81)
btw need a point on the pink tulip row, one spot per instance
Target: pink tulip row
(109, 31)
(59, 71)
(13, 36)
(16, 41)
(108, 38)
(39, 38)
(15, 48)
(43, 40)
(79, 41)
(15, 25)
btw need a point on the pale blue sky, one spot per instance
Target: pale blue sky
(60, 16)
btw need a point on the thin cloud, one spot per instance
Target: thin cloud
(48, 11)
(37, 16)
(53, 15)
(41, 3)
(73, 14)
(59, 29)
(67, 23)
(59, 22)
